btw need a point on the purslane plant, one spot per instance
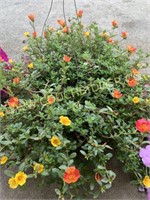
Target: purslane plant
(76, 97)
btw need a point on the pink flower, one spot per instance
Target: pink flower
(144, 154)
(3, 55)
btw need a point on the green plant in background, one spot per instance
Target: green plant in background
(72, 101)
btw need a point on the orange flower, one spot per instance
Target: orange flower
(51, 100)
(98, 177)
(45, 34)
(79, 13)
(132, 82)
(71, 175)
(131, 49)
(124, 34)
(66, 29)
(117, 94)
(13, 102)
(115, 24)
(31, 17)
(61, 22)
(34, 34)
(66, 58)
(51, 28)
(110, 41)
(135, 71)
(16, 80)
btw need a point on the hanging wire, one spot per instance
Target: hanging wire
(64, 11)
(49, 12)
(75, 5)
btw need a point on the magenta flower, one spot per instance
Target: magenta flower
(3, 55)
(145, 155)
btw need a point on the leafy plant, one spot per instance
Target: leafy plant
(70, 102)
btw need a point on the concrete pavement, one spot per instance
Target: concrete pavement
(133, 16)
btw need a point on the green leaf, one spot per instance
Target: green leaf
(107, 186)
(92, 186)
(83, 152)
(73, 155)
(30, 175)
(96, 194)
(9, 173)
(58, 192)
(55, 170)
(70, 162)
(62, 167)
(90, 105)
(22, 166)
(44, 173)
(5, 142)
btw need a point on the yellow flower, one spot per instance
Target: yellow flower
(3, 160)
(104, 34)
(138, 65)
(136, 100)
(2, 114)
(25, 48)
(55, 141)
(10, 61)
(26, 34)
(30, 66)
(65, 120)
(87, 34)
(12, 183)
(38, 167)
(20, 178)
(146, 181)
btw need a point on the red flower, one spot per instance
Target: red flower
(16, 80)
(79, 13)
(31, 17)
(66, 58)
(51, 100)
(66, 29)
(13, 102)
(124, 34)
(143, 125)
(131, 49)
(34, 34)
(61, 22)
(115, 24)
(117, 94)
(98, 177)
(132, 82)
(71, 175)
